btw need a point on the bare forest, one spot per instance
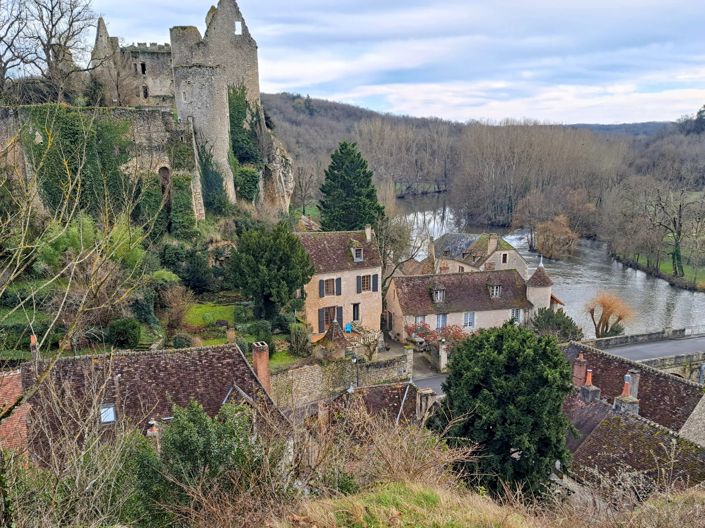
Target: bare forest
(638, 188)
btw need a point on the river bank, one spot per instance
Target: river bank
(676, 282)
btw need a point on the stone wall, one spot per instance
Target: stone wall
(634, 339)
(298, 387)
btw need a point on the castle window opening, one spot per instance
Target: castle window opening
(145, 92)
(143, 66)
(238, 27)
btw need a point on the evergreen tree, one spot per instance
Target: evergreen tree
(270, 265)
(556, 323)
(349, 198)
(505, 392)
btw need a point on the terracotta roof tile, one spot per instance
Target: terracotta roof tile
(415, 267)
(331, 251)
(464, 292)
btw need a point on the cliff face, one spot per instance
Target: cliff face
(277, 182)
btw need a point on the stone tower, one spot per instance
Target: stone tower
(204, 68)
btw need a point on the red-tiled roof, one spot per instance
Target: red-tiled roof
(464, 292)
(416, 267)
(332, 251)
(540, 279)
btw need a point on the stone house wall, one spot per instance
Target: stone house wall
(370, 301)
(298, 387)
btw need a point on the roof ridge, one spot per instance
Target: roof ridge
(643, 366)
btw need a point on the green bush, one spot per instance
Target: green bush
(248, 183)
(151, 211)
(243, 127)
(124, 333)
(182, 341)
(183, 221)
(214, 199)
(299, 340)
(16, 334)
(143, 307)
(556, 323)
(244, 343)
(261, 330)
(281, 322)
(20, 291)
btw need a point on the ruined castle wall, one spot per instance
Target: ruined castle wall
(202, 103)
(150, 66)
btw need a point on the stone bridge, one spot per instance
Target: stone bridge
(689, 366)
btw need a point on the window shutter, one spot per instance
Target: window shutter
(375, 282)
(321, 288)
(338, 286)
(359, 284)
(321, 321)
(340, 315)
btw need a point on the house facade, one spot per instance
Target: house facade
(471, 301)
(346, 285)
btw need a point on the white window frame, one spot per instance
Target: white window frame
(517, 314)
(439, 318)
(108, 414)
(329, 292)
(358, 257)
(469, 320)
(439, 295)
(420, 319)
(495, 291)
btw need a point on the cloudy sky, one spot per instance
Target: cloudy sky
(565, 61)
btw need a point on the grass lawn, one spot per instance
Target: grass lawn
(201, 315)
(281, 360)
(215, 341)
(21, 316)
(692, 274)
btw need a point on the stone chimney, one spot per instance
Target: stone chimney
(492, 243)
(579, 370)
(368, 233)
(626, 402)
(636, 376)
(260, 362)
(588, 392)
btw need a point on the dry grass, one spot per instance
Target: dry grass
(406, 505)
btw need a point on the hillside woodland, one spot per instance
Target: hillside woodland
(637, 187)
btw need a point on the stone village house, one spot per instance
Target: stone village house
(346, 285)
(465, 253)
(472, 301)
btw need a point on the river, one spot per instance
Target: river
(577, 279)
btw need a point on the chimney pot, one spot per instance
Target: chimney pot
(588, 378)
(260, 362)
(635, 377)
(626, 402)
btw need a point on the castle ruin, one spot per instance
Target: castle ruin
(193, 75)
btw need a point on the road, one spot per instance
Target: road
(659, 349)
(634, 352)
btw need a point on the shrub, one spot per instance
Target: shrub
(182, 341)
(214, 199)
(281, 322)
(124, 333)
(248, 183)
(556, 323)
(260, 330)
(244, 343)
(300, 344)
(183, 221)
(143, 307)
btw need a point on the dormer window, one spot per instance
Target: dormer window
(439, 295)
(495, 291)
(358, 255)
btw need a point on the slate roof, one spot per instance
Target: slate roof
(388, 400)
(146, 385)
(331, 251)
(464, 292)
(610, 442)
(540, 279)
(665, 399)
(468, 248)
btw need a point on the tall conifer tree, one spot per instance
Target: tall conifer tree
(349, 198)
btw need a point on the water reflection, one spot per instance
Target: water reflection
(579, 278)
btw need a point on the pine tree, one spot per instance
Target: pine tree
(505, 392)
(349, 197)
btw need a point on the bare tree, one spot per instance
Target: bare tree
(14, 49)
(57, 30)
(608, 311)
(305, 182)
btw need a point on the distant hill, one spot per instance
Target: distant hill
(648, 128)
(312, 128)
